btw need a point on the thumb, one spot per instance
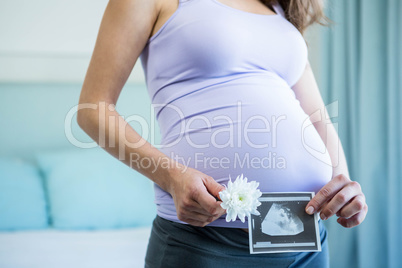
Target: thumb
(213, 187)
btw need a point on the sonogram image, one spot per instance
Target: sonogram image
(281, 220)
(283, 224)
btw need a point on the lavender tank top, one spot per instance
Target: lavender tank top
(220, 82)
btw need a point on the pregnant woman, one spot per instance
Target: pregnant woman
(233, 92)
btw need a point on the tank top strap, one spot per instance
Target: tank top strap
(181, 2)
(278, 9)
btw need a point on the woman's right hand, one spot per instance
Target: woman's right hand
(194, 193)
(123, 34)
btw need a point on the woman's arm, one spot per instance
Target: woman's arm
(340, 196)
(308, 94)
(125, 28)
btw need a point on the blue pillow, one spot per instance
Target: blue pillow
(22, 197)
(91, 189)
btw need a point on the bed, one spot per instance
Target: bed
(122, 248)
(72, 209)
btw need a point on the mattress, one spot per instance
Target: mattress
(118, 248)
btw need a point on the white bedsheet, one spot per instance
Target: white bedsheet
(120, 248)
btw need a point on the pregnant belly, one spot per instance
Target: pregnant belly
(255, 127)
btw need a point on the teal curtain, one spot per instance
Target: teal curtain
(361, 64)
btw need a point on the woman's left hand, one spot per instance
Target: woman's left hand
(342, 197)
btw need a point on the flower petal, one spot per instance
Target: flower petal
(240, 198)
(232, 214)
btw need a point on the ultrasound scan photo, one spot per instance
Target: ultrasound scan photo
(280, 220)
(283, 225)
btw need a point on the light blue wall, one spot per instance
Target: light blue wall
(32, 116)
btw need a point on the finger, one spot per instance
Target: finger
(213, 187)
(209, 205)
(208, 202)
(326, 193)
(355, 219)
(196, 207)
(356, 205)
(340, 199)
(320, 208)
(323, 205)
(195, 216)
(197, 219)
(194, 222)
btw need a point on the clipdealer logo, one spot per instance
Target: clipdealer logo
(237, 131)
(200, 160)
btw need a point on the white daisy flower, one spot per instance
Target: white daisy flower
(240, 198)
